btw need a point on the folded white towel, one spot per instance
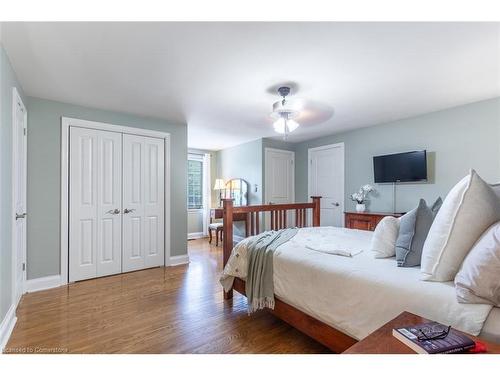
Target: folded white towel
(329, 249)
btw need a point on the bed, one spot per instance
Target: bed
(340, 300)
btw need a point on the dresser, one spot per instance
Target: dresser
(365, 220)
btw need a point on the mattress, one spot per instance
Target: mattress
(356, 295)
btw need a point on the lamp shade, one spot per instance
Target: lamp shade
(284, 126)
(219, 184)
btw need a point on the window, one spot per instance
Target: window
(195, 184)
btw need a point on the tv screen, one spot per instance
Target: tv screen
(403, 167)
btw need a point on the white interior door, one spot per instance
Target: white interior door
(279, 175)
(326, 179)
(279, 179)
(19, 192)
(143, 202)
(95, 203)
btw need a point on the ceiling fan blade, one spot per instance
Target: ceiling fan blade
(314, 113)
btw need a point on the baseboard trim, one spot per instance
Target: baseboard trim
(196, 235)
(7, 326)
(179, 259)
(42, 283)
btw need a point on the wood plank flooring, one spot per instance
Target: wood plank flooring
(161, 310)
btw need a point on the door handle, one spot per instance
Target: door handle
(127, 210)
(116, 211)
(336, 204)
(20, 216)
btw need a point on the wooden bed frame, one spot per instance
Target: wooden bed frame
(330, 337)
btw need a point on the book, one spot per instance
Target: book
(454, 342)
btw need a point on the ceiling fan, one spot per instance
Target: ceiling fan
(289, 114)
(284, 112)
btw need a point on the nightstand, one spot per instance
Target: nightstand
(383, 342)
(365, 220)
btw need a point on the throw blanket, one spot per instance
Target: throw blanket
(259, 283)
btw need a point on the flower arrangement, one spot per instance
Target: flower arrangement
(360, 196)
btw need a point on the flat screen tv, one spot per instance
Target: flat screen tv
(404, 167)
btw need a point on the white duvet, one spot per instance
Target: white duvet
(357, 294)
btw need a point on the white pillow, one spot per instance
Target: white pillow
(384, 237)
(467, 211)
(478, 281)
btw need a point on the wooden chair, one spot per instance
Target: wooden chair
(218, 228)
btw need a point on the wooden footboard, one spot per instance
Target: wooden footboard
(278, 215)
(279, 218)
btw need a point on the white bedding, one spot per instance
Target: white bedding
(358, 294)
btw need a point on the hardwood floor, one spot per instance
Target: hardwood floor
(161, 310)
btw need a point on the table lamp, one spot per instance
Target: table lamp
(219, 185)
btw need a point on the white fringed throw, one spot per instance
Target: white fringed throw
(259, 283)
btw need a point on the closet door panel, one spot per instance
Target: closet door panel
(134, 174)
(143, 202)
(154, 205)
(83, 204)
(109, 214)
(95, 203)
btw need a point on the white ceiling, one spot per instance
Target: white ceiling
(216, 77)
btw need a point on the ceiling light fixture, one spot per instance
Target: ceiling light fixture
(285, 111)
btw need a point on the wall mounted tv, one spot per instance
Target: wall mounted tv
(404, 167)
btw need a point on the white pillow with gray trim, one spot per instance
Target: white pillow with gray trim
(478, 281)
(467, 211)
(384, 237)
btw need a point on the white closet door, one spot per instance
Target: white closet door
(143, 202)
(95, 198)
(109, 193)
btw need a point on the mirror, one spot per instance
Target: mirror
(237, 189)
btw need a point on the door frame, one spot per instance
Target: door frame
(266, 190)
(66, 123)
(309, 174)
(17, 98)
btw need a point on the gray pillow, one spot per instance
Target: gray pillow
(478, 281)
(496, 189)
(413, 231)
(436, 206)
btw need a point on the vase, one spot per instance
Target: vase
(360, 207)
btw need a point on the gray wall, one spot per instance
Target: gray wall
(8, 81)
(195, 221)
(456, 139)
(243, 161)
(44, 144)
(278, 144)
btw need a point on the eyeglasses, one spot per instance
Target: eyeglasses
(432, 334)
